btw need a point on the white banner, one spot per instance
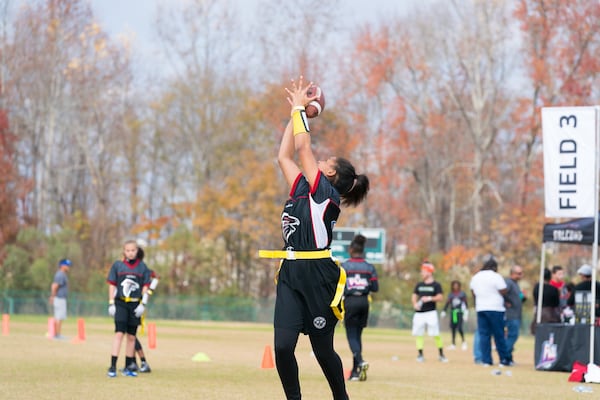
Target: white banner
(569, 138)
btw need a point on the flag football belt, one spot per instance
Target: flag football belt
(337, 306)
(295, 255)
(129, 299)
(142, 324)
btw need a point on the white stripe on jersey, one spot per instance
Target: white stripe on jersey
(317, 211)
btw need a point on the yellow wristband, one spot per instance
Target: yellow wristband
(301, 108)
(299, 122)
(111, 302)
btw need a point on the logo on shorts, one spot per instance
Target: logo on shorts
(319, 322)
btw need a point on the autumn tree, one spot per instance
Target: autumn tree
(67, 92)
(559, 47)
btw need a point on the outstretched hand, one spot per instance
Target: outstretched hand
(298, 93)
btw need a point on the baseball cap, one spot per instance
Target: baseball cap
(65, 261)
(585, 270)
(427, 266)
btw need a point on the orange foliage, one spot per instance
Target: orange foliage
(458, 256)
(11, 187)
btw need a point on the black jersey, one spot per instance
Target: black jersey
(427, 289)
(129, 277)
(310, 214)
(361, 277)
(306, 288)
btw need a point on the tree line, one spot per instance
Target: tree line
(439, 106)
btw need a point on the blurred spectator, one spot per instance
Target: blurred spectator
(581, 296)
(550, 302)
(488, 288)
(558, 281)
(513, 302)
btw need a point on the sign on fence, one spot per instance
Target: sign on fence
(374, 247)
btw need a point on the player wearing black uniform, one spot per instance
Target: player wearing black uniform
(361, 279)
(128, 282)
(139, 350)
(310, 283)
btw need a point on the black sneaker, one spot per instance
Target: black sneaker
(112, 372)
(145, 367)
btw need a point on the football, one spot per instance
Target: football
(315, 107)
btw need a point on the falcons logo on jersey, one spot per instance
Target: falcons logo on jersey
(288, 225)
(129, 286)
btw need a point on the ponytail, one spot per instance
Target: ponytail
(353, 188)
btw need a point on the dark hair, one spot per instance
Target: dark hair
(457, 283)
(556, 268)
(352, 188)
(140, 253)
(547, 274)
(357, 246)
(490, 263)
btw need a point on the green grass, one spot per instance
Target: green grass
(34, 367)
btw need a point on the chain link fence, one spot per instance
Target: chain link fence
(210, 308)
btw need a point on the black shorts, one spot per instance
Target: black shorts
(305, 289)
(125, 319)
(357, 310)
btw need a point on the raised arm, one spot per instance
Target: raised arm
(286, 156)
(296, 138)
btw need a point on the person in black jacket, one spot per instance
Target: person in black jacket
(550, 302)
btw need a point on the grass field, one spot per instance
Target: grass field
(34, 367)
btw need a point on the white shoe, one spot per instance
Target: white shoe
(451, 347)
(464, 346)
(420, 359)
(443, 359)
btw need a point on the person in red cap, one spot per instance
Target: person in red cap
(424, 298)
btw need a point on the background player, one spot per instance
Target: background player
(139, 350)
(459, 311)
(361, 279)
(59, 291)
(424, 297)
(128, 282)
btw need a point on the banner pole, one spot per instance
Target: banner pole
(538, 309)
(595, 246)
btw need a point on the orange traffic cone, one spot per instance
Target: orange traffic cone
(81, 329)
(152, 335)
(267, 360)
(51, 328)
(5, 324)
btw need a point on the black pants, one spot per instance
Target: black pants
(456, 325)
(354, 336)
(328, 359)
(357, 314)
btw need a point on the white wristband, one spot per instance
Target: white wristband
(145, 298)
